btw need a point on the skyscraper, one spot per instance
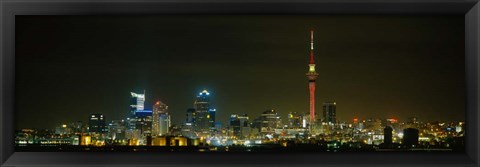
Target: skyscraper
(191, 117)
(211, 119)
(165, 123)
(138, 102)
(160, 114)
(234, 124)
(188, 129)
(202, 109)
(330, 112)
(312, 76)
(239, 126)
(244, 126)
(96, 123)
(138, 121)
(144, 121)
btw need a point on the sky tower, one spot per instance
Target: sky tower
(312, 76)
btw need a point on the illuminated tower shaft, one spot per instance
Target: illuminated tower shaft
(312, 76)
(311, 87)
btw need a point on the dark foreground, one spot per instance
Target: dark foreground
(257, 148)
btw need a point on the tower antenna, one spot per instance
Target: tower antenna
(311, 39)
(311, 47)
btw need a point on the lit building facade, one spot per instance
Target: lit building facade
(138, 102)
(268, 121)
(116, 130)
(96, 123)
(190, 117)
(203, 119)
(234, 127)
(330, 112)
(164, 124)
(63, 129)
(161, 119)
(239, 126)
(211, 119)
(139, 122)
(295, 120)
(144, 121)
(189, 126)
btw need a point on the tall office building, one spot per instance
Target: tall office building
(189, 126)
(243, 120)
(234, 127)
(116, 130)
(138, 102)
(190, 117)
(159, 114)
(96, 123)
(312, 76)
(239, 126)
(244, 126)
(203, 118)
(330, 112)
(144, 121)
(143, 128)
(165, 123)
(211, 119)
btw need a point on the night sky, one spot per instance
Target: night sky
(68, 67)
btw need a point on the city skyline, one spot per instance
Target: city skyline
(324, 114)
(151, 130)
(273, 78)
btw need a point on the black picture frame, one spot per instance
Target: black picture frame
(11, 8)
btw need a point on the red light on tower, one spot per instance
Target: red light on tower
(392, 120)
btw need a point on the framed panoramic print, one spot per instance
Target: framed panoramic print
(239, 83)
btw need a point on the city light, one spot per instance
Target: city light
(141, 127)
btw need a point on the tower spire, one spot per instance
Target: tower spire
(311, 39)
(311, 47)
